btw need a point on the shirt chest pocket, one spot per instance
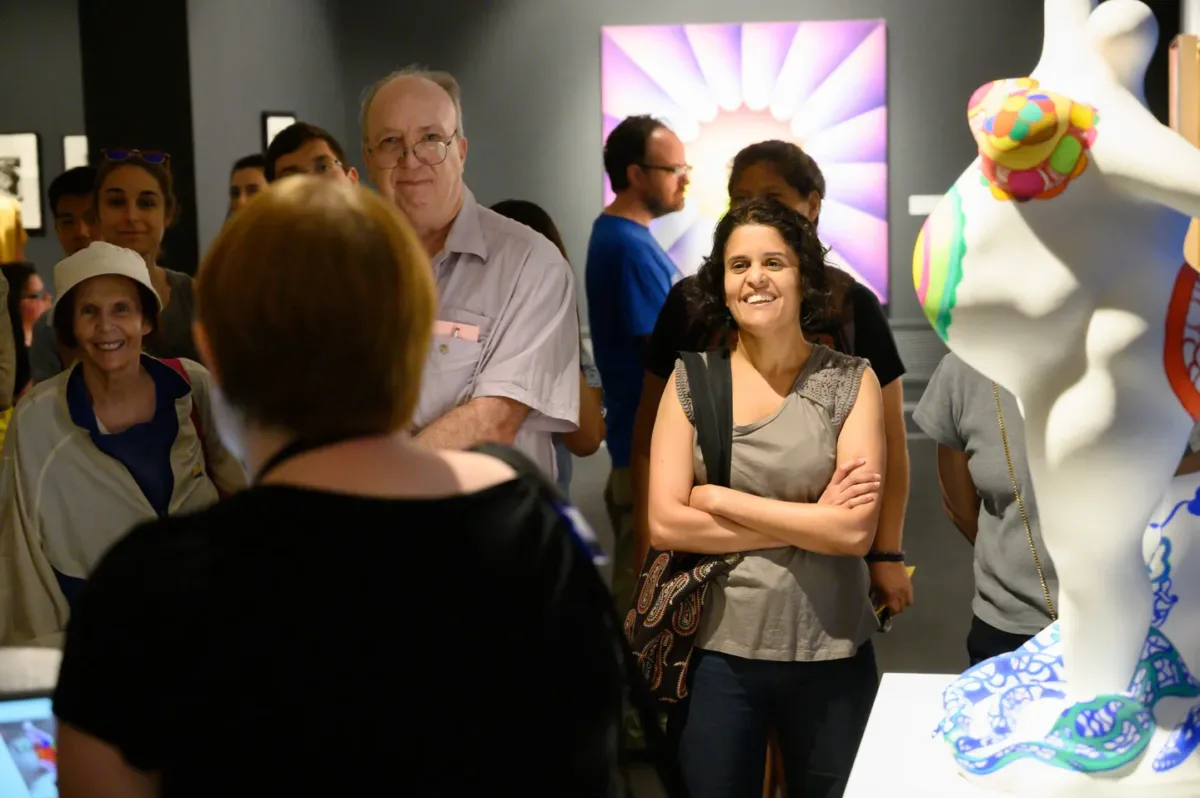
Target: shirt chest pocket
(454, 360)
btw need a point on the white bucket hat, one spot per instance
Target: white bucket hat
(100, 258)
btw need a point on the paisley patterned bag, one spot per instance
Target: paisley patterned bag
(661, 626)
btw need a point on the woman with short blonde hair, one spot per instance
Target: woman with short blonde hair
(365, 584)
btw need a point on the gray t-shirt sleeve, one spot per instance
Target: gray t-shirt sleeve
(939, 412)
(44, 361)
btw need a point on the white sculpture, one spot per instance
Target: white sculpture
(1055, 267)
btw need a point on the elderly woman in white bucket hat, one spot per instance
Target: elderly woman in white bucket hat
(118, 439)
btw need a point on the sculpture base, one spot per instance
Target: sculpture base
(896, 750)
(897, 756)
(1010, 726)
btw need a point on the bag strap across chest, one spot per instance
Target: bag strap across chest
(710, 382)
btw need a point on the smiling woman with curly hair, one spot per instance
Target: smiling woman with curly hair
(784, 637)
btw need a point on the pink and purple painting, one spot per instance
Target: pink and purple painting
(822, 85)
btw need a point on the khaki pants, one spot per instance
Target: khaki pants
(618, 499)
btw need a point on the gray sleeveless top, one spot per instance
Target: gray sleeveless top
(174, 337)
(787, 604)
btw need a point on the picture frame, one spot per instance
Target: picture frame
(75, 152)
(272, 123)
(21, 176)
(821, 85)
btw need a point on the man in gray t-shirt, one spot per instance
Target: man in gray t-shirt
(958, 410)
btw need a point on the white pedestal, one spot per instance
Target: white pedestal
(899, 756)
(29, 670)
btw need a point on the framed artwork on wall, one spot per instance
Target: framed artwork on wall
(272, 123)
(20, 175)
(75, 151)
(822, 85)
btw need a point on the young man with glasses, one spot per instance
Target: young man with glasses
(304, 149)
(628, 278)
(504, 365)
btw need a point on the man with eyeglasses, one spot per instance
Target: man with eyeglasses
(304, 149)
(504, 365)
(628, 278)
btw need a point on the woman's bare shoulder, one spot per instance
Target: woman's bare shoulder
(474, 471)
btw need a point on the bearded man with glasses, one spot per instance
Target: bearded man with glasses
(504, 365)
(628, 278)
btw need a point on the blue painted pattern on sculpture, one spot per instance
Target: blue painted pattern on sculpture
(1096, 736)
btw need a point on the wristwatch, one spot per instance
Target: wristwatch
(884, 556)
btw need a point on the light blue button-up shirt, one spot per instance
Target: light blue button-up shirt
(511, 285)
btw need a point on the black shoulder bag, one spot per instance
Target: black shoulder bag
(662, 624)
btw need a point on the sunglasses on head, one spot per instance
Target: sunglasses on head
(148, 156)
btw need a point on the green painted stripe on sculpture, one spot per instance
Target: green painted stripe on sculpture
(954, 272)
(947, 248)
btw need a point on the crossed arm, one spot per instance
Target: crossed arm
(711, 519)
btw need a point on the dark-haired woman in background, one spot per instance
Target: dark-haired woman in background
(135, 204)
(784, 640)
(855, 325)
(31, 296)
(584, 441)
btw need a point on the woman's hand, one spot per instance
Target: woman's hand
(851, 486)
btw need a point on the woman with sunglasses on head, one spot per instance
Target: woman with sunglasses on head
(135, 204)
(117, 439)
(784, 638)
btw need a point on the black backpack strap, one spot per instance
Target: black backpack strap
(665, 763)
(710, 383)
(848, 320)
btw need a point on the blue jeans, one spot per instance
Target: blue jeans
(819, 710)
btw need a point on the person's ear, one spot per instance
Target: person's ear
(814, 206)
(462, 151)
(204, 348)
(352, 173)
(631, 174)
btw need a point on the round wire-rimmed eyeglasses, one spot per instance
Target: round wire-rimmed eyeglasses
(390, 151)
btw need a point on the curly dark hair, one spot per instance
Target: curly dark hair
(706, 294)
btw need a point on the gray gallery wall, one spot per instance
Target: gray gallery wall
(530, 72)
(41, 91)
(250, 56)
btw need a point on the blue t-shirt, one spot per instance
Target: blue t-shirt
(628, 277)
